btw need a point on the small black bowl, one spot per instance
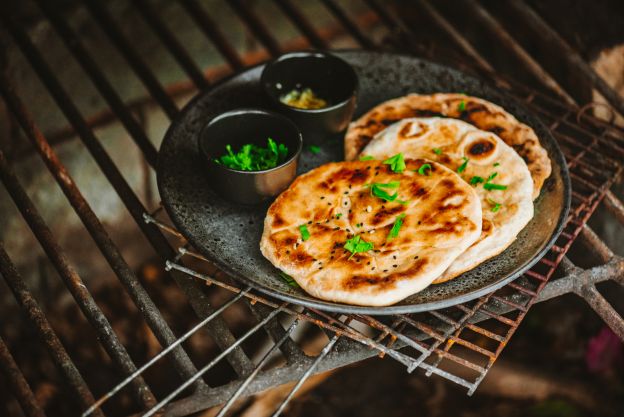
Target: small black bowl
(329, 77)
(240, 127)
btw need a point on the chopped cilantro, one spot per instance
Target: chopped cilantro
(396, 162)
(358, 225)
(357, 245)
(462, 106)
(394, 232)
(314, 149)
(425, 169)
(489, 186)
(366, 158)
(252, 157)
(305, 234)
(437, 151)
(289, 280)
(476, 180)
(463, 166)
(339, 215)
(495, 206)
(496, 164)
(377, 189)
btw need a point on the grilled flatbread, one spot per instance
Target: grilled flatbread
(480, 113)
(482, 159)
(335, 203)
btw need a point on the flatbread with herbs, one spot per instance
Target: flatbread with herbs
(478, 112)
(361, 233)
(498, 175)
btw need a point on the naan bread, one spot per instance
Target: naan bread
(442, 219)
(478, 112)
(449, 141)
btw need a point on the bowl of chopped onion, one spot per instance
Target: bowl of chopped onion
(251, 154)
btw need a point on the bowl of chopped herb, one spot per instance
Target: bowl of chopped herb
(251, 154)
(316, 90)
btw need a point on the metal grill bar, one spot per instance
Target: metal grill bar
(72, 280)
(17, 382)
(302, 23)
(38, 320)
(114, 33)
(168, 39)
(548, 34)
(351, 27)
(78, 202)
(255, 25)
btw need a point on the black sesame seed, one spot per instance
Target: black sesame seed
(373, 268)
(329, 204)
(385, 270)
(322, 197)
(394, 266)
(416, 257)
(368, 263)
(393, 256)
(310, 222)
(346, 192)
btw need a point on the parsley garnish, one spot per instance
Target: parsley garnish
(396, 162)
(462, 106)
(423, 169)
(357, 245)
(489, 186)
(495, 206)
(289, 280)
(463, 166)
(476, 180)
(377, 189)
(366, 158)
(496, 164)
(394, 232)
(252, 157)
(314, 149)
(305, 234)
(437, 151)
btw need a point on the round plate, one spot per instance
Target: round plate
(229, 234)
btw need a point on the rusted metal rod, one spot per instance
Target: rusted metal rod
(17, 382)
(488, 21)
(210, 29)
(74, 44)
(114, 33)
(173, 45)
(547, 34)
(46, 334)
(72, 280)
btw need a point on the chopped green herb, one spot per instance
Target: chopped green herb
(425, 169)
(366, 158)
(314, 149)
(252, 157)
(305, 234)
(394, 232)
(289, 280)
(357, 245)
(489, 186)
(437, 151)
(358, 225)
(377, 189)
(496, 164)
(495, 206)
(396, 162)
(476, 180)
(462, 106)
(463, 166)
(339, 215)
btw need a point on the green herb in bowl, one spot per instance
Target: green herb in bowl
(252, 157)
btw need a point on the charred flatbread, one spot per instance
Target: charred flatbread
(478, 112)
(340, 241)
(492, 168)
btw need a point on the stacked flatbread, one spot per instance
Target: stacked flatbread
(374, 231)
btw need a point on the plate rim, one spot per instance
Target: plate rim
(335, 307)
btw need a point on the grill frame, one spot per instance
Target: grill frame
(299, 366)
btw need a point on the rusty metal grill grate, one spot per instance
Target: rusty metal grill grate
(459, 343)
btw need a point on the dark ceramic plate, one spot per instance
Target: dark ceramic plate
(229, 234)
